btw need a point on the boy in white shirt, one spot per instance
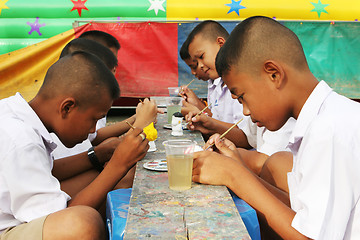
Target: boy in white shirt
(87, 151)
(203, 44)
(31, 201)
(264, 65)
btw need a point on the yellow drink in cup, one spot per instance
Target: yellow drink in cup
(180, 171)
(179, 157)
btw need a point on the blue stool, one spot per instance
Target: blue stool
(117, 206)
(248, 215)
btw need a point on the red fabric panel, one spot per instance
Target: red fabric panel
(148, 62)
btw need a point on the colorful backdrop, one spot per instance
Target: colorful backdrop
(32, 34)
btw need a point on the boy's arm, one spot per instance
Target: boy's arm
(132, 149)
(71, 166)
(209, 126)
(146, 113)
(113, 130)
(191, 98)
(213, 168)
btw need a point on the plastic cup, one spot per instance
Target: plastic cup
(174, 91)
(179, 158)
(173, 105)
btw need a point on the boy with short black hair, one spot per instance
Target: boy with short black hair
(84, 161)
(104, 38)
(265, 67)
(192, 102)
(32, 203)
(205, 41)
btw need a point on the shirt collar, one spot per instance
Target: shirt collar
(309, 111)
(23, 110)
(214, 83)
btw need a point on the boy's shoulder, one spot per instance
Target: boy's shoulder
(19, 124)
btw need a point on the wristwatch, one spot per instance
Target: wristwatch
(94, 160)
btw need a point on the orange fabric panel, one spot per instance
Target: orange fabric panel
(24, 70)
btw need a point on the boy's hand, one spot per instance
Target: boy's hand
(191, 97)
(202, 123)
(132, 148)
(105, 149)
(223, 146)
(188, 107)
(212, 168)
(146, 112)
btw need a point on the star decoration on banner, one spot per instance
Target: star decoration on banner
(35, 26)
(156, 5)
(79, 5)
(2, 5)
(319, 8)
(235, 6)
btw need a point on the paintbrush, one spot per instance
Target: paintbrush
(186, 86)
(130, 125)
(201, 111)
(222, 135)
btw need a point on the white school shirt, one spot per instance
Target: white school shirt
(324, 183)
(28, 190)
(223, 106)
(266, 141)
(61, 151)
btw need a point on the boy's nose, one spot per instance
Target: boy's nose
(92, 129)
(246, 110)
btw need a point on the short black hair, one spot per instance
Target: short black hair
(257, 39)
(104, 38)
(82, 75)
(209, 29)
(184, 50)
(99, 50)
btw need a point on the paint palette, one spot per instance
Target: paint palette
(156, 165)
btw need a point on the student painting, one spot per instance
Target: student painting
(148, 112)
(32, 204)
(264, 66)
(84, 162)
(204, 42)
(203, 45)
(192, 102)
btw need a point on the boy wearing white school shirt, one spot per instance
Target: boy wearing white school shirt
(276, 84)
(31, 201)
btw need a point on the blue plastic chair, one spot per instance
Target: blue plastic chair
(248, 215)
(118, 201)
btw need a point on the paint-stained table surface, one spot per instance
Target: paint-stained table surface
(202, 212)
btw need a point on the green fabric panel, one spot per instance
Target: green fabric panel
(96, 8)
(11, 44)
(333, 53)
(18, 27)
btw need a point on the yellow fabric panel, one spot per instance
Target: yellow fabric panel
(24, 70)
(337, 10)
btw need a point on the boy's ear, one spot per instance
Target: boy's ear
(220, 41)
(275, 72)
(67, 106)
